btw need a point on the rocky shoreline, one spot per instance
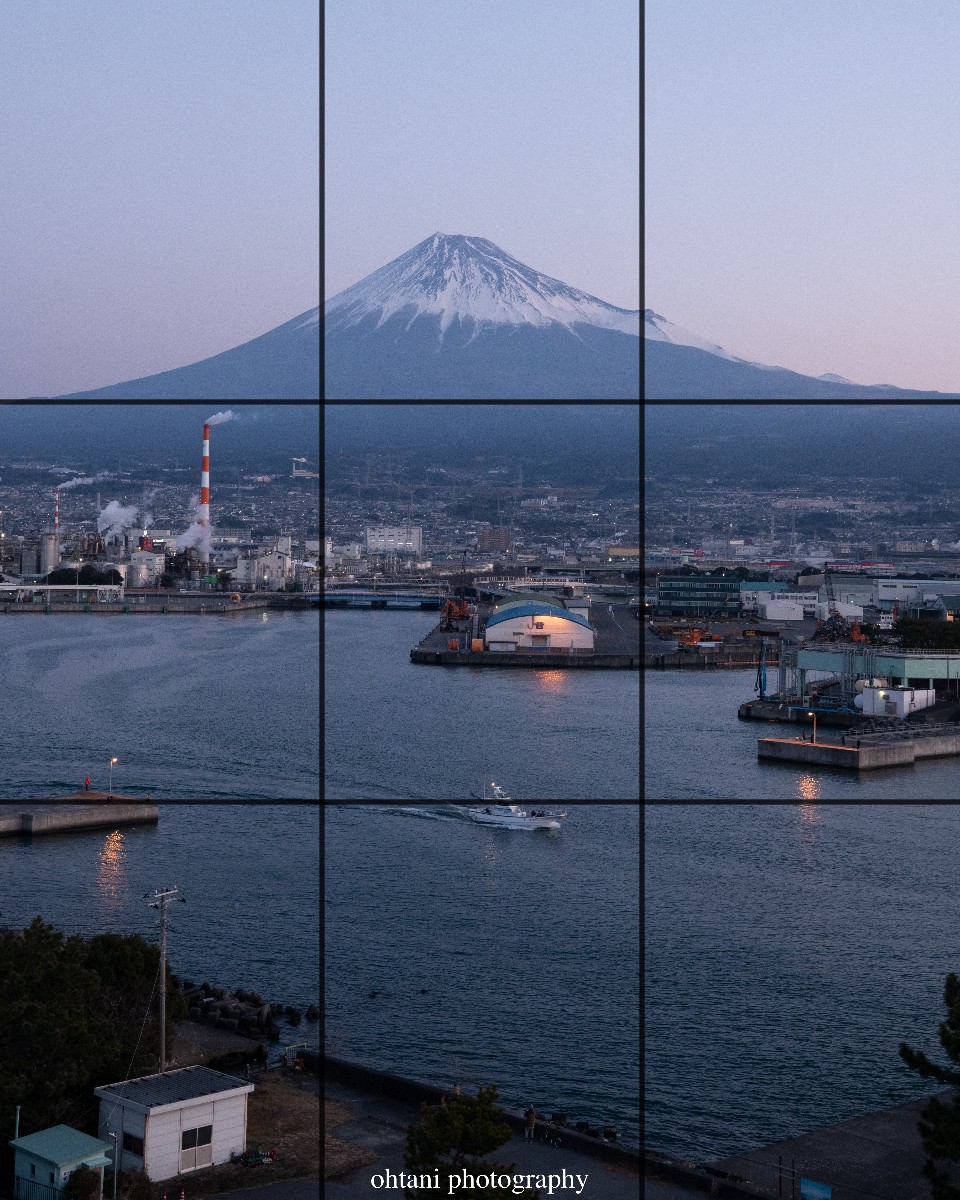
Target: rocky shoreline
(240, 1012)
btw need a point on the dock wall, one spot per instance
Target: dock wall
(412, 1091)
(514, 658)
(895, 752)
(691, 660)
(62, 819)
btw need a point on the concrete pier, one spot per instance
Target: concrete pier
(35, 819)
(868, 756)
(617, 645)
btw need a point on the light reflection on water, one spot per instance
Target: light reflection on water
(111, 875)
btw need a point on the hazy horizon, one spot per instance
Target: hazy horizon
(160, 185)
(802, 183)
(515, 123)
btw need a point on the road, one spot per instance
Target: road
(287, 1189)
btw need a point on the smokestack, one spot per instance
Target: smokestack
(204, 513)
(56, 513)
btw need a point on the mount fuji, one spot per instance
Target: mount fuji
(457, 318)
(680, 365)
(283, 364)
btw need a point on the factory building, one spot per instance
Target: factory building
(394, 539)
(535, 623)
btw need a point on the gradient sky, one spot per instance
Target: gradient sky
(514, 121)
(159, 183)
(803, 182)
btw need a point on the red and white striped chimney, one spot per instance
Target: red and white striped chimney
(204, 513)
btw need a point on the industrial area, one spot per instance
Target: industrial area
(867, 664)
(127, 559)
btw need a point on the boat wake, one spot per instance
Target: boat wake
(440, 812)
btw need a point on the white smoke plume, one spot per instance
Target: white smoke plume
(196, 535)
(220, 417)
(72, 483)
(116, 519)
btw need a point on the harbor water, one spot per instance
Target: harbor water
(457, 952)
(696, 748)
(788, 950)
(396, 730)
(249, 873)
(193, 707)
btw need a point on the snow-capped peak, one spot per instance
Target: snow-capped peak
(469, 278)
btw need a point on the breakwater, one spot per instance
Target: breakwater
(869, 752)
(240, 1011)
(17, 820)
(414, 1091)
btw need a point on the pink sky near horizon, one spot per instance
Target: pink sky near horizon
(159, 183)
(803, 184)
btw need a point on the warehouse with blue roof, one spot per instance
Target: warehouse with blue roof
(539, 623)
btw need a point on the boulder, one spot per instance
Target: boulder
(273, 1032)
(255, 998)
(313, 1013)
(293, 1017)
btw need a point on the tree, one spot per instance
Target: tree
(83, 1184)
(134, 1185)
(452, 1139)
(73, 1015)
(939, 1123)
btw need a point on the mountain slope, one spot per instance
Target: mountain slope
(679, 365)
(283, 364)
(685, 373)
(456, 317)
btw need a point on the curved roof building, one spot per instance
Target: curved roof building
(535, 623)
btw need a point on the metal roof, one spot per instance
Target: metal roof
(533, 609)
(60, 1145)
(172, 1087)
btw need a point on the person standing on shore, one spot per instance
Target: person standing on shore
(531, 1115)
(86, 784)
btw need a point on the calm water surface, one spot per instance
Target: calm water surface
(250, 875)
(528, 945)
(396, 730)
(789, 949)
(194, 707)
(696, 748)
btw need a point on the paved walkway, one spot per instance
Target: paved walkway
(877, 1156)
(381, 1126)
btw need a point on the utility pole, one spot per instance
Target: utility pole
(161, 898)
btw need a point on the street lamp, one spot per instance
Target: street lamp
(814, 715)
(112, 761)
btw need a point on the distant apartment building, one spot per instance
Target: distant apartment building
(394, 539)
(493, 537)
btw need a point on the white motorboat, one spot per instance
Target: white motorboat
(512, 816)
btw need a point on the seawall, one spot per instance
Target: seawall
(867, 756)
(412, 1091)
(17, 820)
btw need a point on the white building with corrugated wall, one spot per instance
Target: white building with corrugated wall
(537, 624)
(176, 1121)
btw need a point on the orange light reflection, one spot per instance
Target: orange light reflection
(110, 876)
